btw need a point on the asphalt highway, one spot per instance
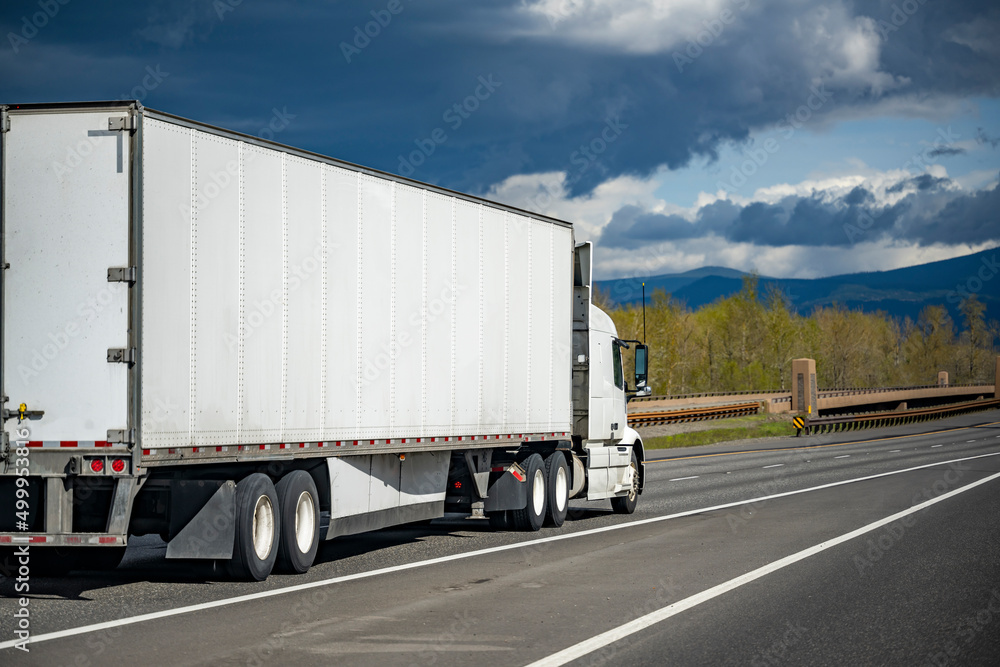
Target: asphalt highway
(875, 547)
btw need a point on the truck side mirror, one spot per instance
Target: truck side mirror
(641, 366)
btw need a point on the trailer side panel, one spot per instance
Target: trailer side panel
(293, 300)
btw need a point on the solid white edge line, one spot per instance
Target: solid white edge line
(681, 479)
(600, 641)
(84, 629)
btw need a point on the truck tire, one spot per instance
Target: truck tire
(626, 504)
(299, 507)
(557, 482)
(258, 527)
(532, 516)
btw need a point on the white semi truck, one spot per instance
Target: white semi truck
(247, 348)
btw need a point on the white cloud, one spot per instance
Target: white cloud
(632, 26)
(546, 193)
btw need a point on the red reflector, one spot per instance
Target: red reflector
(106, 540)
(37, 539)
(458, 485)
(118, 465)
(4, 539)
(97, 465)
(497, 469)
(517, 475)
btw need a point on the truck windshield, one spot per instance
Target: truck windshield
(616, 353)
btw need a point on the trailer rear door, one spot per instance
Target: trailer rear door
(65, 199)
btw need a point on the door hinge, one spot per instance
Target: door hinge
(4, 122)
(121, 123)
(121, 437)
(122, 275)
(118, 355)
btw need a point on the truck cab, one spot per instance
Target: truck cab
(611, 450)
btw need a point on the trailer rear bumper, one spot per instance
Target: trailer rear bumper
(62, 540)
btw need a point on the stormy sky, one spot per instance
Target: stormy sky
(795, 137)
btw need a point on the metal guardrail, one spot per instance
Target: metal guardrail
(693, 414)
(881, 419)
(709, 394)
(829, 393)
(821, 393)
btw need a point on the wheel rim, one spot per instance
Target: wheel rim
(263, 527)
(538, 493)
(562, 489)
(305, 521)
(634, 489)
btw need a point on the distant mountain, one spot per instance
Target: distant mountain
(900, 293)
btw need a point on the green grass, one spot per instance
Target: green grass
(743, 428)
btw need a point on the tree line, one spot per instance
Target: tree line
(747, 342)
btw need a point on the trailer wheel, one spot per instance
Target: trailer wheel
(557, 481)
(297, 500)
(532, 516)
(257, 529)
(626, 504)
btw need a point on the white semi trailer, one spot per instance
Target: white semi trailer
(247, 348)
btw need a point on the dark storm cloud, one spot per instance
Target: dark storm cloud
(410, 90)
(932, 211)
(945, 151)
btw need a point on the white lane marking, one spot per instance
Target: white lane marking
(842, 457)
(895, 450)
(166, 613)
(936, 446)
(600, 641)
(681, 479)
(968, 441)
(776, 465)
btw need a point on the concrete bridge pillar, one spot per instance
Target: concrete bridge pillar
(805, 399)
(942, 378)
